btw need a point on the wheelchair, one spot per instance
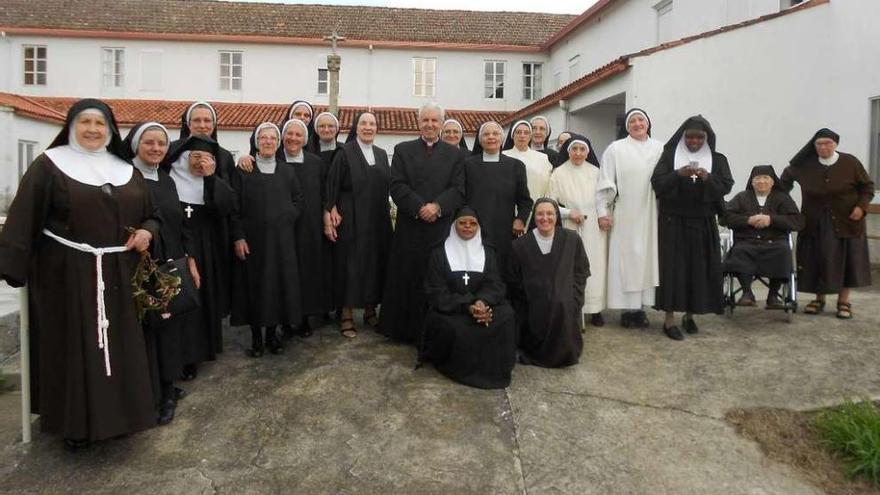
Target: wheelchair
(730, 284)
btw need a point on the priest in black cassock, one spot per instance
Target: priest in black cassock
(690, 182)
(427, 185)
(267, 290)
(761, 218)
(90, 376)
(470, 329)
(148, 143)
(357, 220)
(548, 271)
(206, 201)
(496, 186)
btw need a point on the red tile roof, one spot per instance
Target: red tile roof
(262, 22)
(232, 116)
(622, 63)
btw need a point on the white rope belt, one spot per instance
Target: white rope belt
(103, 323)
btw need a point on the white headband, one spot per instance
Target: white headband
(576, 141)
(201, 104)
(457, 124)
(327, 114)
(301, 104)
(300, 123)
(541, 117)
(518, 123)
(631, 113)
(136, 139)
(266, 125)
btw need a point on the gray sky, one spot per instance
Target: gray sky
(557, 6)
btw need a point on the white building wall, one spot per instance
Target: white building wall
(817, 68)
(271, 73)
(632, 25)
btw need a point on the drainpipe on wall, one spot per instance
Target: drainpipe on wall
(563, 105)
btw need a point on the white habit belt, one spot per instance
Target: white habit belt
(102, 322)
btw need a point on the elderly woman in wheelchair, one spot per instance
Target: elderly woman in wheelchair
(762, 218)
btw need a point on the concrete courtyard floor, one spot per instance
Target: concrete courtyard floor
(640, 414)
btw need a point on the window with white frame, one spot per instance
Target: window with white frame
(875, 141)
(494, 80)
(323, 81)
(26, 152)
(664, 20)
(532, 80)
(113, 67)
(34, 65)
(230, 70)
(424, 76)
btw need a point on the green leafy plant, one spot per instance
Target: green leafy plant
(852, 431)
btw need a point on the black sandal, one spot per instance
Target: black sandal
(814, 307)
(844, 310)
(348, 332)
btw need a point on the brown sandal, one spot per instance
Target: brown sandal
(814, 307)
(348, 332)
(844, 310)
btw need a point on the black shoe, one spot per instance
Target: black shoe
(273, 343)
(166, 411)
(597, 320)
(773, 302)
(641, 319)
(190, 372)
(304, 330)
(287, 332)
(522, 358)
(75, 445)
(256, 349)
(627, 320)
(673, 332)
(179, 393)
(690, 326)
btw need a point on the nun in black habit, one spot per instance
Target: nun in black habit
(267, 290)
(690, 181)
(541, 127)
(357, 220)
(148, 143)
(497, 187)
(206, 201)
(548, 271)
(470, 330)
(761, 218)
(90, 375)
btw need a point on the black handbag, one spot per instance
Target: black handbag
(187, 300)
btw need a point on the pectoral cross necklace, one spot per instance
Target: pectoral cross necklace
(189, 210)
(465, 277)
(694, 178)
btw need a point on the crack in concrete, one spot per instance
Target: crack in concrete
(636, 404)
(209, 479)
(517, 457)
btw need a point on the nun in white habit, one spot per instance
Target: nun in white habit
(538, 167)
(627, 210)
(573, 186)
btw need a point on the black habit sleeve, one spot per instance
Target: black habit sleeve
(720, 181)
(236, 223)
(453, 196)
(786, 215)
(151, 214)
(736, 211)
(296, 196)
(407, 200)
(665, 179)
(492, 290)
(337, 175)
(581, 271)
(24, 224)
(437, 290)
(523, 198)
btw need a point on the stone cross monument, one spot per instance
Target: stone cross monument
(334, 61)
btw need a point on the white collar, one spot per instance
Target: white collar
(266, 165)
(94, 168)
(465, 256)
(830, 160)
(328, 146)
(149, 173)
(367, 150)
(487, 157)
(298, 158)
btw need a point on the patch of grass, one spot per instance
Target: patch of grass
(852, 431)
